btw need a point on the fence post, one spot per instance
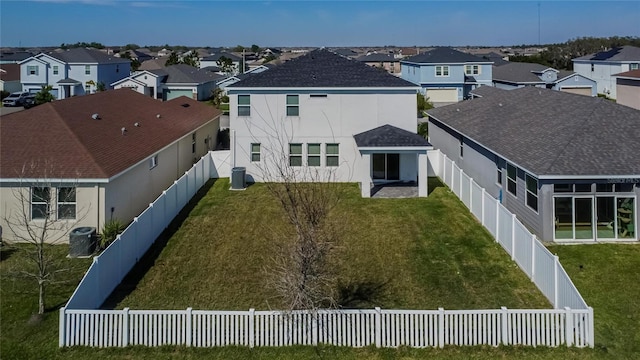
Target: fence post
(97, 294)
(151, 227)
(453, 169)
(165, 223)
(513, 236)
(125, 327)
(505, 326)
(555, 281)
(460, 172)
(378, 327)
(497, 220)
(188, 330)
(441, 329)
(471, 196)
(590, 327)
(568, 332)
(62, 327)
(252, 332)
(484, 193)
(533, 258)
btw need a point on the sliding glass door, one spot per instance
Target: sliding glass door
(596, 217)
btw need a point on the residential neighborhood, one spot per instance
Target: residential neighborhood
(359, 180)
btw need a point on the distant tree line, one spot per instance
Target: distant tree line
(559, 56)
(93, 44)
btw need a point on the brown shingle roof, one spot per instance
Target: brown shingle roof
(12, 72)
(64, 135)
(629, 74)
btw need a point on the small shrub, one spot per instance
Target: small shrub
(110, 231)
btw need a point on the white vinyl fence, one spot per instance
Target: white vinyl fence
(542, 267)
(112, 265)
(354, 328)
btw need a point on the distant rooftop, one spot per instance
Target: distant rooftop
(443, 55)
(624, 53)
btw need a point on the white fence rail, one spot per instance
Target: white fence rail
(542, 267)
(354, 328)
(112, 265)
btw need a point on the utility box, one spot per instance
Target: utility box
(82, 241)
(238, 178)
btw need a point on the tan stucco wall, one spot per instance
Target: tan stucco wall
(629, 95)
(89, 211)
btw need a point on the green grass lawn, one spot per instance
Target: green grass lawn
(395, 253)
(451, 258)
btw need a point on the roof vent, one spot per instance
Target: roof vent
(500, 104)
(185, 105)
(95, 116)
(136, 124)
(124, 130)
(158, 116)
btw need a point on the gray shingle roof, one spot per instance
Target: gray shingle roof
(322, 69)
(550, 132)
(624, 53)
(216, 57)
(444, 55)
(377, 58)
(84, 55)
(389, 136)
(485, 90)
(518, 72)
(186, 74)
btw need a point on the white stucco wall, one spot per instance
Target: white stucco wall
(322, 120)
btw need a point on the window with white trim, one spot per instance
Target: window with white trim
(293, 105)
(295, 154)
(40, 200)
(634, 66)
(532, 192)
(153, 162)
(461, 140)
(313, 154)
(244, 105)
(32, 70)
(87, 69)
(55, 69)
(255, 152)
(512, 172)
(193, 143)
(472, 69)
(442, 70)
(66, 202)
(332, 154)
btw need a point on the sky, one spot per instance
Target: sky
(280, 23)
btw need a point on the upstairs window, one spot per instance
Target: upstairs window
(87, 69)
(244, 105)
(511, 179)
(66, 203)
(193, 143)
(55, 69)
(153, 162)
(634, 66)
(40, 200)
(461, 141)
(32, 70)
(472, 69)
(313, 154)
(295, 154)
(293, 108)
(442, 70)
(532, 192)
(333, 154)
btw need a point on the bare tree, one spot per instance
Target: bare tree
(43, 212)
(300, 270)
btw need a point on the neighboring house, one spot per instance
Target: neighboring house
(349, 53)
(602, 66)
(494, 57)
(628, 88)
(10, 78)
(172, 82)
(224, 83)
(153, 64)
(567, 165)
(14, 57)
(518, 74)
(138, 55)
(327, 115)
(72, 72)
(112, 152)
(212, 60)
(383, 61)
(446, 75)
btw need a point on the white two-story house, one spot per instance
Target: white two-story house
(446, 75)
(72, 72)
(323, 117)
(602, 67)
